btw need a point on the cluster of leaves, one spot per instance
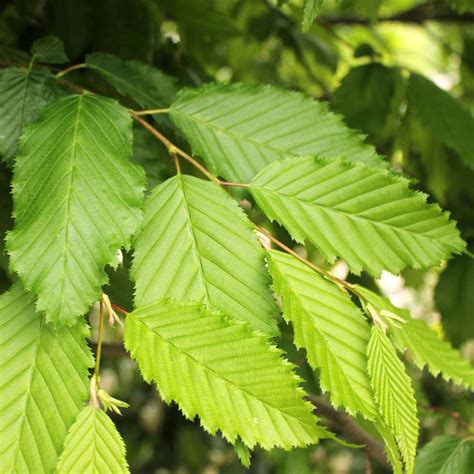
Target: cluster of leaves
(205, 323)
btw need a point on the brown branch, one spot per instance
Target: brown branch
(341, 422)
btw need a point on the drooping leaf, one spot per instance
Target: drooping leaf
(23, 96)
(443, 115)
(50, 50)
(76, 202)
(455, 299)
(365, 215)
(365, 96)
(422, 342)
(217, 368)
(390, 446)
(146, 85)
(239, 129)
(311, 11)
(43, 382)
(331, 329)
(446, 455)
(394, 394)
(93, 445)
(197, 244)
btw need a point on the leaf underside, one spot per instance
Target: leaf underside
(76, 202)
(365, 215)
(217, 368)
(43, 382)
(197, 244)
(239, 129)
(331, 329)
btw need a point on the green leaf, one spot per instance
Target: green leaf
(394, 394)
(461, 6)
(365, 215)
(197, 244)
(93, 445)
(390, 446)
(331, 329)
(23, 96)
(443, 115)
(239, 129)
(446, 455)
(365, 97)
(455, 299)
(50, 50)
(311, 11)
(77, 200)
(43, 381)
(422, 342)
(217, 368)
(147, 86)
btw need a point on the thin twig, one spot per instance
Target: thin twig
(69, 69)
(119, 309)
(150, 112)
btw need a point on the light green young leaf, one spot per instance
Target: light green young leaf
(23, 96)
(390, 446)
(50, 50)
(311, 11)
(197, 244)
(217, 368)
(239, 129)
(93, 446)
(394, 394)
(331, 329)
(365, 215)
(455, 299)
(422, 342)
(446, 455)
(146, 85)
(443, 115)
(43, 382)
(77, 200)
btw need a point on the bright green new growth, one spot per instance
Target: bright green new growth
(331, 329)
(197, 244)
(43, 382)
(394, 394)
(446, 455)
(77, 200)
(93, 446)
(367, 216)
(23, 96)
(239, 129)
(217, 368)
(311, 11)
(422, 342)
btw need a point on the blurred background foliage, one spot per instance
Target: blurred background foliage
(400, 71)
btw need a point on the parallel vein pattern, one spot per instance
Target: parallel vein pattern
(239, 129)
(76, 202)
(423, 343)
(93, 446)
(43, 382)
(23, 95)
(197, 244)
(331, 329)
(365, 215)
(394, 394)
(217, 368)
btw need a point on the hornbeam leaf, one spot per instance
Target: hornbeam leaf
(197, 244)
(446, 455)
(422, 342)
(239, 129)
(49, 49)
(147, 86)
(365, 215)
(76, 202)
(93, 445)
(23, 96)
(390, 446)
(43, 382)
(217, 368)
(311, 11)
(332, 330)
(394, 394)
